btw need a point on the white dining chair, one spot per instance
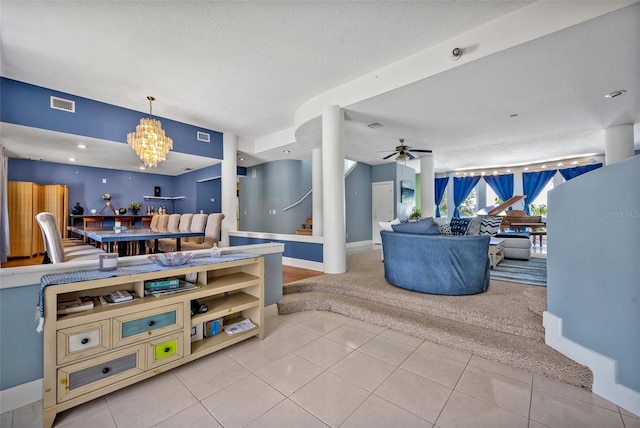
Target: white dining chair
(56, 252)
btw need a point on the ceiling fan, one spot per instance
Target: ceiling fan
(404, 152)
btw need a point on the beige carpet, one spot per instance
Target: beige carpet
(502, 324)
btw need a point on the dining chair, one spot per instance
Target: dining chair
(92, 223)
(158, 222)
(174, 221)
(198, 224)
(146, 222)
(130, 245)
(211, 233)
(55, 252)
(167, 245)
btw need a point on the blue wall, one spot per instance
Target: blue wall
(21, 348)
(396, 172)
(594, 263)
(275, 186)
(29, 105)
(358, 203)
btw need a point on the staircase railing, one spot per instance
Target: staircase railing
(346, 174)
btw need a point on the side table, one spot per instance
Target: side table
(496, 251)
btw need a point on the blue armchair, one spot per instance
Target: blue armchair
(437, 264)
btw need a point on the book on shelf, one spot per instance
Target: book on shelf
(109, 300)
(77, 304)
(162, 284)
(183, 286)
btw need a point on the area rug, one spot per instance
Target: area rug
(532, 271)
(497, 325)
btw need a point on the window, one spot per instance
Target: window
(468, 208)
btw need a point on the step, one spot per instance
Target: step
(516, 351)
(307, 232)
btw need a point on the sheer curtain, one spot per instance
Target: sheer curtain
(462, 186)
(4, 208)
(440, 187)
(533, 183)
(501, 184)
(569, 173)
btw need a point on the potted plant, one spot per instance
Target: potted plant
(135, 207)
(415, 214)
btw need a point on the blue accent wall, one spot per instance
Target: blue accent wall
(297, 250)
(593, 263)
(21, 350)
(276, 185)
(358, 203)
(85, 183)
(29, 105)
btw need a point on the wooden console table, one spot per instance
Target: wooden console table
(92, 353)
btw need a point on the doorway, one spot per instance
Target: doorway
(382, 210)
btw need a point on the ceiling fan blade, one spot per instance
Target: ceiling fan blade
(387, 157)
(410, 155)
(422, 151)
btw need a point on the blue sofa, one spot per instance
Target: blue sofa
(437, 264)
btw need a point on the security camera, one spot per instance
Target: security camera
(455, 54)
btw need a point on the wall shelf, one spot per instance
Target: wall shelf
(165, 198)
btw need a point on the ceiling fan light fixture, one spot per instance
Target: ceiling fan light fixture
(149, 140)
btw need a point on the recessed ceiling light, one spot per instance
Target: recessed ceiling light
(560, 164)
(495, 172)
(508, 170)
(543, 167)
(574, 163)
(374, 125)
(615, 93)
(73, 159)
(286, 151)
(142, 167)
(241, 159)
(81, 146)
(526, 168)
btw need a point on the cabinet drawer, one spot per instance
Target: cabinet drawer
(142, 325)
(83, 340)
(164, 350)
(80, 378)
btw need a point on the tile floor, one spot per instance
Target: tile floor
(317, 369)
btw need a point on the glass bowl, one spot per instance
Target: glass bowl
(172, 259)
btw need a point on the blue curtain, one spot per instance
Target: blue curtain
(533, 183)
(501, 184)
(462, 186)
(440, 187)
(569, 173)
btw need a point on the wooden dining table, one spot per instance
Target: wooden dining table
(110, 236)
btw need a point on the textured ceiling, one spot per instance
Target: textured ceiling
(246, 67)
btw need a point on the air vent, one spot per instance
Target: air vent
(62, 104)
(203, 136)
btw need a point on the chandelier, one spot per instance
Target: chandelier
(149, 140)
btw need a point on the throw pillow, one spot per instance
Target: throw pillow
(474, 225)
(425, 226)
(490, 226)
(386, 225)
(459, 225)
(445, 228)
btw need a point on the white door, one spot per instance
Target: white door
(382, 196)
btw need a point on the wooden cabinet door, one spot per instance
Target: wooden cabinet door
(25, 237)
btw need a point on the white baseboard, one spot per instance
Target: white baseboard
(355, 247)
(304, 264)
(20, 395)
(605, 369)
(271, 310)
